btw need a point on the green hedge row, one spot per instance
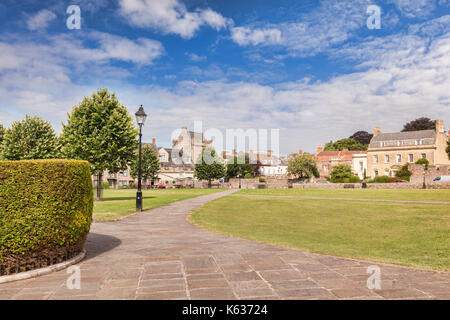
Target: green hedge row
(45, 206)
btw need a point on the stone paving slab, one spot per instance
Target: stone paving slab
(159, 255)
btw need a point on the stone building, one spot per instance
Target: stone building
(189, 145)
(388, 152)
(327, 160)
(177, 163)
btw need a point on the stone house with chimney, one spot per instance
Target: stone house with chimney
(176, 162)
(327, 160)
(388, 152)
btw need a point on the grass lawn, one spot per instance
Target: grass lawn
(407, 234)
(413, 194)
(120, 203)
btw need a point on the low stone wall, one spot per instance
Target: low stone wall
(417, 171)
(397, 186)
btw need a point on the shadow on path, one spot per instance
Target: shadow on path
(97, 244)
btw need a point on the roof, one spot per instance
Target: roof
(405, 138)
(341, 155)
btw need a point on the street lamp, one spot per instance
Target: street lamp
(424, 186)
(140, 119)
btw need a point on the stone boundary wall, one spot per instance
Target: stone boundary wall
(396, 186)
(417, 171)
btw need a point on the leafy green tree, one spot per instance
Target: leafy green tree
(150, 164)
(32, 138)
(101, 131)
(362, 137)
(239, 168)
(342, 173)
(448, 148)
(403, 173)
(2, 133)
(420, 124)
(423, 161)
(302, 166)
(209, 166)
(346, 143)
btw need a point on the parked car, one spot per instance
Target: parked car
(399, 181)
(162, 185)
(442, 179)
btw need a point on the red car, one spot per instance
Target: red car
(399, 181)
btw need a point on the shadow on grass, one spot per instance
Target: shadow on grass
(97, 244)
(124, 198)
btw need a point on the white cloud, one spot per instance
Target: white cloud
(415, 8)
(40, 20)
(170, 16)
(246, 36)
(332, 22)
(195, 57)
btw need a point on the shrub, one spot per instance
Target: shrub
(261, 179)
(248, 175)
(423, 161)
(45, 212)
(384, 179)
(105, 185)
(403, 173)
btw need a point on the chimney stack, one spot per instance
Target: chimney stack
(319, 149)
(376, 131)
(154, 141)
(224, 154)
(269, 153)
(440, 126)
(300, 152)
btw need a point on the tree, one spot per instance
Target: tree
(403, 173)
(150, 164)
(448, 148)
(101, 131)
(420, 124)
(2, 133)
(342, 144)
(209, 166)
(240, 167)
(302, 166)
(423, 161)
(341, 173)
(32, 138)
(362, 137)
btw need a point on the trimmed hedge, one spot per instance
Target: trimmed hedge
(45, 212)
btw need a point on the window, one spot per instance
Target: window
(375, 159)
(376, 173)
(361, 166)
(386, 158)
(410, 158)
(386, 172)
(424, 155)
(399, 158)
(418, 141)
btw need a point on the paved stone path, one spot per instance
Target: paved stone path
(345, 199)
(159, 255)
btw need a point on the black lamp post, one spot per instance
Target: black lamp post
(140, 119)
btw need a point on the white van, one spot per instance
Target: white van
(442, 179)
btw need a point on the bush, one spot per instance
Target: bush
(423, 161)
(248, 175)
(383, 179)
(105, 186)
(403, 173)
(45, 212)
(261, 179)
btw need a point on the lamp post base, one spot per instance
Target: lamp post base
(139, 201)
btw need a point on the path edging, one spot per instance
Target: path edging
(43, 271)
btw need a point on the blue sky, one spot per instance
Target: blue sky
(312, 69)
